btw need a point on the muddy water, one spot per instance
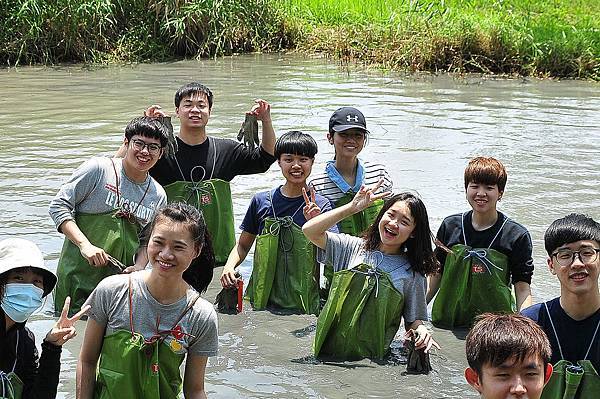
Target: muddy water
(423, 128)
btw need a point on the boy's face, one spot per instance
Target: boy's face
(142, 152)
(193, 111)
(575, 276)
(347, 143)
(511, 380)
(483, 197)
(295, 168)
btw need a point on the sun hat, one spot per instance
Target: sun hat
(18, 252)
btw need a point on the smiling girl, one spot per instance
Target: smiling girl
(379, 278)
(142, 326)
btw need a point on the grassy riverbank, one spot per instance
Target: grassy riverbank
(558, 38)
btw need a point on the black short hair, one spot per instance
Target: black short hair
(193, 88)
(496, 338)
(147, 127)
(297, 143)
(571, 228)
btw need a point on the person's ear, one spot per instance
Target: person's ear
(548, 373)
(500, 194)
(551, 265)
(473, 378)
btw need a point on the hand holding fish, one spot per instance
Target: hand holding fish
(261, 109)
(94, 255)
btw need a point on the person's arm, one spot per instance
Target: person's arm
(94, 255)
(193, 379)
(236, 256)
(262, 111)
(523, 295)
(316, 228)
(433, 285)
(88, 358)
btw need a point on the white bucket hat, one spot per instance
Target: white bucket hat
(18, 252)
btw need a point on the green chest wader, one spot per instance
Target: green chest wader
(133, 367)
(285, 273)
(572, 380)
(361, 316)
(11, 386)
(474, 281)
(118, 236)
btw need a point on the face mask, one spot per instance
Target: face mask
(21, 300)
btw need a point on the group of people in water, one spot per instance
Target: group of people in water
(145, 229)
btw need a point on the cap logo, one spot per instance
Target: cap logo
(352, 118)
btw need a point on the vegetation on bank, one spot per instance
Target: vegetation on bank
(559, 38)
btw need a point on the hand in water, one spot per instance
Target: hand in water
(366, 196)
(311, 209)
(64, 329)
(229, 277)
(94, 255)
(425, 340)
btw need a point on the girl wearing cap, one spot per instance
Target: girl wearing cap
(24, 282)
(346, 173)
(142, 326)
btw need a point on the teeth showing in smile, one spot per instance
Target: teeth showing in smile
(578, 276)
(164, 265)
(390, 231)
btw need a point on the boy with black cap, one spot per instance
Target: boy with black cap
(346, 173)
(572, 320)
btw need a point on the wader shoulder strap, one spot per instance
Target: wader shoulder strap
(212, 171)
(558, 340)
(462, 225)
(270, 199)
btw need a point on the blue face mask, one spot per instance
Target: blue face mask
(21, 300)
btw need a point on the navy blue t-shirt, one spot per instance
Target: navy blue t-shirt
(575, 335)
(263, 204)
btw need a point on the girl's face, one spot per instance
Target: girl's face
(25, 275)
(171, 248)
(395, 227)
(348, 143)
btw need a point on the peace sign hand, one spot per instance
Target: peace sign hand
(64, 329)
(366, 196)
(311, 209)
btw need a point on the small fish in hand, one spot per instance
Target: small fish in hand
(249, 132)
(171, 148)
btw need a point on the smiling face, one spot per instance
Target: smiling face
(395, 227)
(348, 143)
(139, 157)
(578, 278)
(511, 380)
(193, 111)
(295, 168)
(171, 248)
(483, 197)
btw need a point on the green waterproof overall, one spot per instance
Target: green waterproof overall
(11, 386)
(133, 367)
(474, 281)
(572, 380)
(118, 236)
(361, 316)
(285, 273)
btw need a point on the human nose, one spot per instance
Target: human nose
(517, 387)
(145, 148)
(577, 257)
(166, 253)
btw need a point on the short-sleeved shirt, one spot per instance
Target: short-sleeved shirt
(332, 185)
(93, 189)
(344, 251)
(513, 241)
(265, 203)
(215, 158)
(575, 335)
(110, 307)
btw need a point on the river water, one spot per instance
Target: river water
(423, 128)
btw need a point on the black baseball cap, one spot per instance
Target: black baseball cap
(347, 118)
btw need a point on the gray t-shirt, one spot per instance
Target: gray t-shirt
(344, 251)
(92, 188)
(110, 307)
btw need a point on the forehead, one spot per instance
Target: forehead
(146, 139)
(24, 272)
(579, 244)
(195, 97)
(174, 231)
(530, 362)
(402, 209)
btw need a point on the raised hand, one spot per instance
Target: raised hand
(311, 209)
(366, 196)
(155, 111)
(64, 329)
(261, 109)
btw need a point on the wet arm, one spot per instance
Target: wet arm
(433, 285)
(523, 295)
(88, 358)
(193, 380)
(236, 256)
(316, 228)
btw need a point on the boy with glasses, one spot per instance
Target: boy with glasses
(572, 321)
(101, 210)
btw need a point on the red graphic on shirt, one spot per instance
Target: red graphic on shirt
(111, 187)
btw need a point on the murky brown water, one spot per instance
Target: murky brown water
(423, 128)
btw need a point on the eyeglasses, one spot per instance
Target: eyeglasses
(139, 145)
(565, 257)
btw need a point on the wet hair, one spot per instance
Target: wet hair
(418, 247)
(482, 170)
(496, 338)
(200, 272)
(191, 89)
(297, 143)
(571, 228)
(147, 127)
